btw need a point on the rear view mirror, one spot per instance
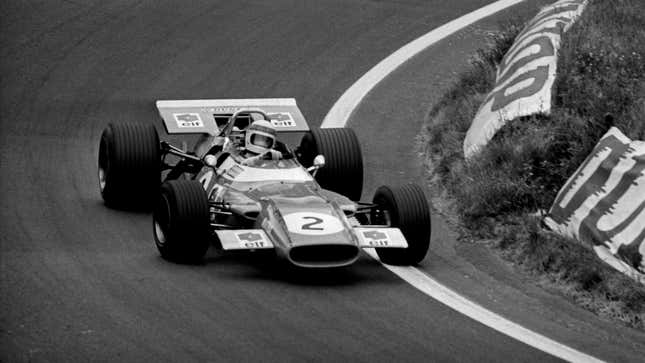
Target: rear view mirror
(319, 162)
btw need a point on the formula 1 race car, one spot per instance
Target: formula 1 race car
(303, 205)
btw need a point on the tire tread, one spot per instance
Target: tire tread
(343, 170)
(409, 211)
(188, 226)
(132, 180)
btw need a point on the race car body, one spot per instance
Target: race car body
(304, 205)
(278, 204)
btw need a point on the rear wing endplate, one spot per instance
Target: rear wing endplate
(198, 116)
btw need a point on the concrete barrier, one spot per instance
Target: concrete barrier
(603, 203)
(526, 74)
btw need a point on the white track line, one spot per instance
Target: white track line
(445, 295)
(338, 117)
(347, 103)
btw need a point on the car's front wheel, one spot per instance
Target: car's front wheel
(129, 165)
(181, 221)
(406, 208)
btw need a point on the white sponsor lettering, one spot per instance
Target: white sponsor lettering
(603, 203)
(282, 119)
(188, 119)
(526, 74)
(376, 238)
(225, 110)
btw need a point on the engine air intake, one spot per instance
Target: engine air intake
(324, 255)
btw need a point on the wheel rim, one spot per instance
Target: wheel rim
(383, 214)
(103, 162)
(159, 233)
(101, 179)
(161, 220)
(383, 217)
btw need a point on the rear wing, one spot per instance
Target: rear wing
(207, 116)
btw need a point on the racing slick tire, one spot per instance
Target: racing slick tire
(343, 170)
(407, 209)
(180, 221)
(129, 165)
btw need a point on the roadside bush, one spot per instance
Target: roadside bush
(600, 83)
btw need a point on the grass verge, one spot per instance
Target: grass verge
(600, 83)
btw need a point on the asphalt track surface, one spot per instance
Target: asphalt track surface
(81, 282)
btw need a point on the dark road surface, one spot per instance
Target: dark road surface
(80, 282)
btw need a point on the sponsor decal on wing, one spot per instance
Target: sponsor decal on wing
(188, 119)
(282, 119)
(248, 237)
(244, 239)
(381, 237)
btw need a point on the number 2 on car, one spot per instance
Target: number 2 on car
(311, 223)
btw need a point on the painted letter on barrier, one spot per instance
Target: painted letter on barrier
(525, 75)
(603, 203)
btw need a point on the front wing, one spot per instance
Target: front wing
(253, 239)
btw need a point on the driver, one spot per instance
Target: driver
(259, 142)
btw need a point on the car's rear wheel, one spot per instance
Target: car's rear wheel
(343, 170)
(181, 221)
(129, 165)
(406, 208)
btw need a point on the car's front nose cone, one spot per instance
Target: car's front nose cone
(312, 232)
(319, 239)
(324, 255)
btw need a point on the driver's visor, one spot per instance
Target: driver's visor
(262, 140)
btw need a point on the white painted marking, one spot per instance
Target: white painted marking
(338, 117)
(347, 103)
(443, 294)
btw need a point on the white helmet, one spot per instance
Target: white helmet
(260, 136)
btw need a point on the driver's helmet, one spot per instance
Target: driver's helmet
(260, 136)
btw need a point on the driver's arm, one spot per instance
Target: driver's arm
(208, 144)
(267, 155)
(274, 154)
